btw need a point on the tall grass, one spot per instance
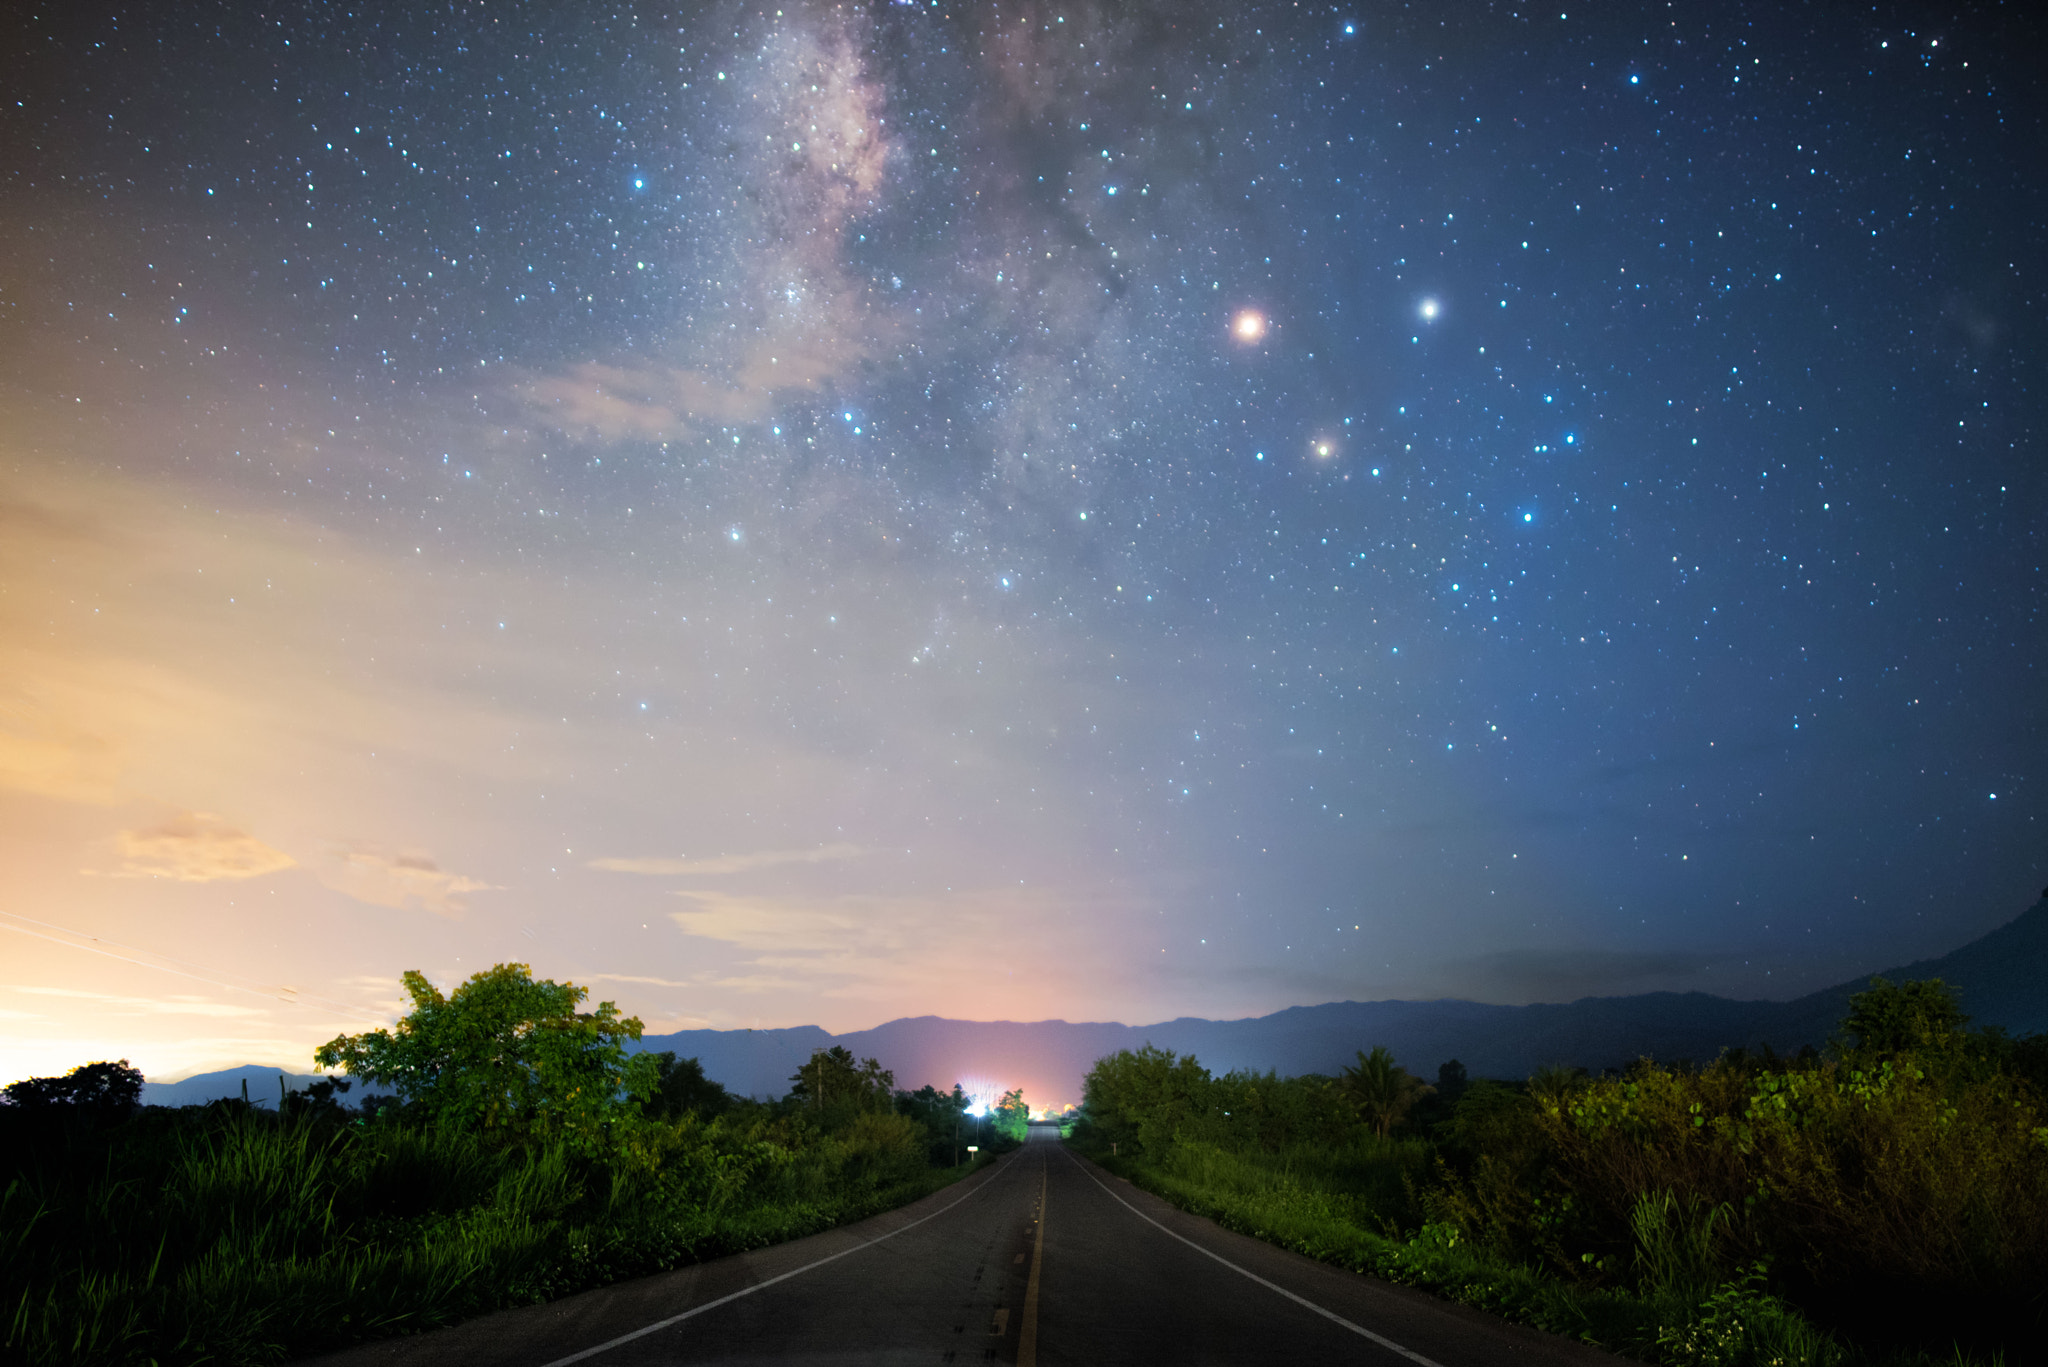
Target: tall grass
(237, 1236)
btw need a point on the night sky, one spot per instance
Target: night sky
(1024, 510)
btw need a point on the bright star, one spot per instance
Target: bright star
(1428, 309)
(1249, 325)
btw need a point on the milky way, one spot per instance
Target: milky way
(829, 513)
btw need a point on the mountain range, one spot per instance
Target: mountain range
(2001, 980)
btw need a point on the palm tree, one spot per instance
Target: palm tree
(1554, 1083)
(1380, 1090)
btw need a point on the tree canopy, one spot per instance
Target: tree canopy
(681, 1089)
(109, 1090)
(1013, 1116)
(506, 1053)
(1381, 1090)
(834, 1080)
(1910, 1017)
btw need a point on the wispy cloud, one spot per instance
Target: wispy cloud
(665, 403)
(180, 1005)
(400, 881)
(42, 755)
(686, 867)
(974, 951)
(632, 978)
(196, 847)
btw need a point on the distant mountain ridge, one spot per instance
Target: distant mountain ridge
(262, 1081)
(2000, 978)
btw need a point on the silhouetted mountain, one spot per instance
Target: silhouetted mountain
(1998, 978)
(201, 1088)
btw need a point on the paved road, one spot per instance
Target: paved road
(1043, 1261)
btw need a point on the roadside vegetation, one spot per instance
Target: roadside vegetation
(1882, 1202)
(527, 1155)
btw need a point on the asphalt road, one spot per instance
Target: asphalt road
(1044, 1259)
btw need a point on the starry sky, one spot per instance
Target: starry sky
(1036, 509)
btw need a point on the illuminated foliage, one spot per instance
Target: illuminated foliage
(507, 1054)
(1012, 1116)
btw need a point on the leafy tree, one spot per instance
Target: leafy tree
(1897, 1018)
(1013, 1117)
(943, 1115)
(1451, 1081)
(508, 1054)
(681, 1089)
(1144, 1096)
(104, 1090)
(1273, 1112)
(319, 1099)
(1380, 1090)
(834, 1080)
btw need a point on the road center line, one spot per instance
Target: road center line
(1302, 1301)
(660, 1325)
(1027, 1332)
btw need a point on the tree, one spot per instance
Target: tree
(507, 1054)
(941, 1114)
(681, 1089)
(1380, 1090)
(1013, 1117)
(1553, 1083)
(1144, 1096)
(1896, 1018)
(107, 1091)
(320, 1099)
(834, 1080)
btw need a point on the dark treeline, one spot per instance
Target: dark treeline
(528, 1154)
(1884, 1200)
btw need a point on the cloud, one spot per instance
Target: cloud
(633, 978)
(400, 881)
(54, 761)
(974, 951)
(197, 848)
(666, 403)
(182, 1005)
(727, 863)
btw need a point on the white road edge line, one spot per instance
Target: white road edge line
(660, 1325)
(1359, 1329)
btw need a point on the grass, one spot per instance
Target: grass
(1345, 1208)
(232, 1236)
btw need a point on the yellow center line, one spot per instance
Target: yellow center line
(1027, 1332)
